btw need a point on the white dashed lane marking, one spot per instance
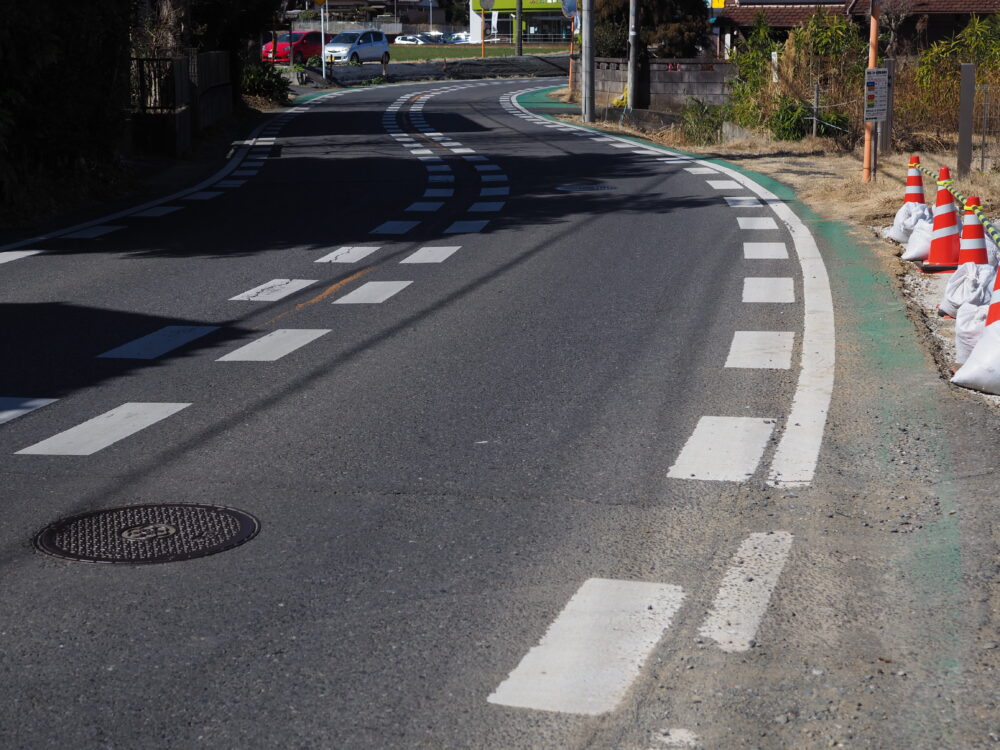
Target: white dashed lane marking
(723, 449)
(12, 407)
(768, 350)
(765, 251)
(8, 256)
(757, 222)
(431, 254)
(373, 293)
(274, 345)
(486, 207)
(741, 201)
(768, 289)
(159, 342)
(104, 430)
(425, 206)
(439, 193)
(594, 650)
(700, 170)
(273, 290)
(493, 191)
(466, 227)
(395, 227)
(746, 590)
(157, 211)
(348, 254)
(493, 178)
(91, 232)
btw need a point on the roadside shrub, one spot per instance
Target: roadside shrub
(610, 40)
(265, 81)
(314, 62)
(309, 15)
(788, 121)
(701, 123)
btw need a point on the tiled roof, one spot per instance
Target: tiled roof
(980, 7)
(778, 16)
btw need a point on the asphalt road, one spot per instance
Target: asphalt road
(532, 434)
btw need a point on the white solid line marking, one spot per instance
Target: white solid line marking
(699, 170)
(769, 350)
(12, 407)
(765, 250)
(431, 254)
(274, 345)
(394, 227)
(493, 178)
(746, 591)
(425, 206)
(98, 231)
(723, 449)
(676, 160)
(768, 289)
(438, 193)
(594, 650)
(10, 255)
(486, 207)
(273, 290)
(158, 343)
(742, 201)
(348, 254)
(492, 191)
(204, 195)
(466, 227)
(621, 145)
(373, 293)
(158, 211)
(104, 430)
(756, 222)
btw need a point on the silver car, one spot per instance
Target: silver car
(363, 45)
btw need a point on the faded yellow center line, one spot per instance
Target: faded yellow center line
(319, 297)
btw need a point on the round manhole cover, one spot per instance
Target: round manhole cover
(583, 188)
(138, 534)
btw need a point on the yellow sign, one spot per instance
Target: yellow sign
(320, 2)
(718, 3)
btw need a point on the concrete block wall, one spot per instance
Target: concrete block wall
(665, 85)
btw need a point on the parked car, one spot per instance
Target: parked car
(460, 37)
(304, 44)
(409, 39)
(360, 46)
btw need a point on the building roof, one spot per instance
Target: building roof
(920, 7)
(784, 16)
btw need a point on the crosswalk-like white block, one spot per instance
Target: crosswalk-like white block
(100, 432)
(373, 293)
(274, 345)
(595, 648)
(778, 289)
(769, 350)
(159, 342)
(746, 590)
(723, 449)
(12, 407)
(350, 254)
(273, 290)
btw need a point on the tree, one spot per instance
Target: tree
(670, 28)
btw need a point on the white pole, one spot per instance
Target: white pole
(322, 34)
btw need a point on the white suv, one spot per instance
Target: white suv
(363, 45)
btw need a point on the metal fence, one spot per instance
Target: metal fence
(986, 128)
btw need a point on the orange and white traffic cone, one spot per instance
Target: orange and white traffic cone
(972, 245)
(943, 257)
(914, 183)
(994, 312)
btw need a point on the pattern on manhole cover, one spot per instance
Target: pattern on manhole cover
(147, 533)
(583, 188)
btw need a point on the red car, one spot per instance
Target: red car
(304, 44)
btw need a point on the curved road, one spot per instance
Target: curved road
(533, 421)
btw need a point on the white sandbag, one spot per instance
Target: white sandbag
(906, 219)
(918, 247)
(981, 370)
(970, 322)
(971, 283)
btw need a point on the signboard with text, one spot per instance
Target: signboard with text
(876, 94)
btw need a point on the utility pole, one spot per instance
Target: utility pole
(322, 35)
(633, 51)
(518, 22)
(587, 58)
(866, 170)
